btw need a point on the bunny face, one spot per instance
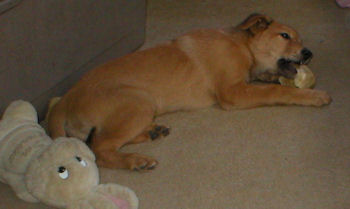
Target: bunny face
(63, 173)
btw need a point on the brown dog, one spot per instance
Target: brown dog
(120, 99)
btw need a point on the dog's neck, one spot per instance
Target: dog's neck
(264, 66)
(261, 72)
(261, 68)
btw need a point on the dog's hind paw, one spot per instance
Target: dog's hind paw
(139, 162)
(158, 131)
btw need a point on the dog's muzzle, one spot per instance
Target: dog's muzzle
(287, 67)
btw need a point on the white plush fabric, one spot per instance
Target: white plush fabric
(61, 173)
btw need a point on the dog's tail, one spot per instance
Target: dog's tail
(90, 137)
(52, 103)
(56, 118)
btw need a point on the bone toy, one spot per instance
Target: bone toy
(60, 173)
(303, 79)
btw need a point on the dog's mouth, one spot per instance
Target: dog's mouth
(287, 67)
(302, 61)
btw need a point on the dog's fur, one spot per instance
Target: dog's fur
(120, 99)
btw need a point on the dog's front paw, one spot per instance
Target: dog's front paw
(318, 98)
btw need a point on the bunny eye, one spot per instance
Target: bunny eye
(62, 172)
(81, 161)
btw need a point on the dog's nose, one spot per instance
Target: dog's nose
(307, 54)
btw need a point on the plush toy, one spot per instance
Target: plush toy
(343, 3)
(303, 79)
(61, 173)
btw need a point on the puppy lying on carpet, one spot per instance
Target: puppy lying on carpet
(116, 103)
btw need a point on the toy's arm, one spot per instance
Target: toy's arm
(20, 110)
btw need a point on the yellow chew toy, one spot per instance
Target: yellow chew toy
(304, 78)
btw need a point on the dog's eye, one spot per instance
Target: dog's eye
(63, 172)
(81, 161)
(285, 35)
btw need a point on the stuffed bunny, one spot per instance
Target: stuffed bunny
(60, 173)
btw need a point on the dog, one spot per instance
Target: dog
(116, 103)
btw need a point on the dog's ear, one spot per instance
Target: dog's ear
(255, 23)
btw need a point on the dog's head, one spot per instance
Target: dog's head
(276, 47)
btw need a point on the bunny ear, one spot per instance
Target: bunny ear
(21, 110)
(111, 196)
(122, 197)
(82, 204)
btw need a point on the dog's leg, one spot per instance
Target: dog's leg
(248, 96)
(128, 122)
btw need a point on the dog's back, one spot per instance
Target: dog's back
(178, 75)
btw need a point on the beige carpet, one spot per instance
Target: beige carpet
(272, 157)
